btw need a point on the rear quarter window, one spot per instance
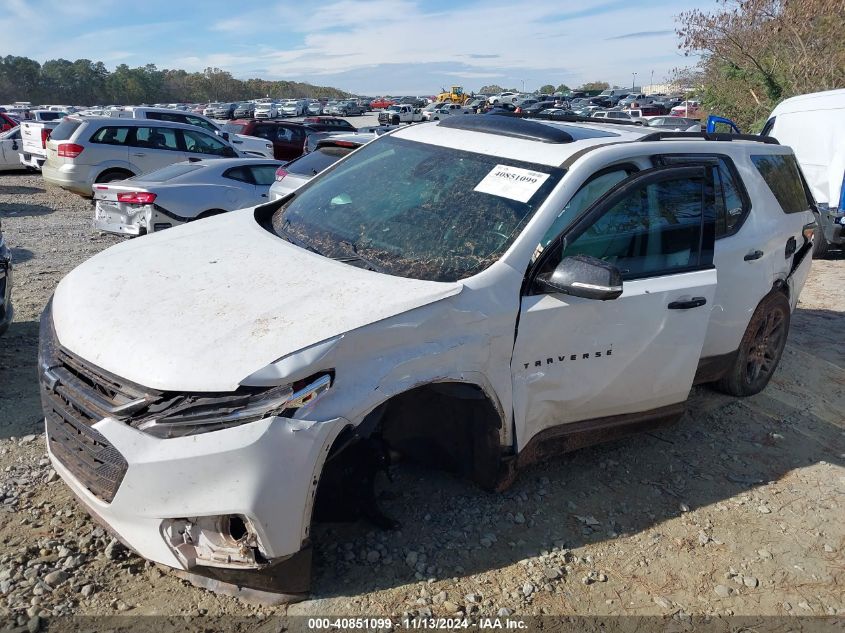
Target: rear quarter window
(65, 130)
(781, 173)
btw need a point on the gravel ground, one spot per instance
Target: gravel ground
(738, 509)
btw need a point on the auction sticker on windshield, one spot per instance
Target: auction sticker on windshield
(512, 182)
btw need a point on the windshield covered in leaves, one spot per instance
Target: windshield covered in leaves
(416, 210)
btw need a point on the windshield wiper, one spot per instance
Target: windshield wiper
(357, 258)
(296, 242)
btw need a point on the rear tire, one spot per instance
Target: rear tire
(760, 349)
(820, 243)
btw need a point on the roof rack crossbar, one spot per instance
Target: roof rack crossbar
(507, 126)
(708, 136)
(578, 118)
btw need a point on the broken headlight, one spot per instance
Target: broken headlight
(192, 414)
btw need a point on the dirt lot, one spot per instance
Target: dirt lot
(738, 509)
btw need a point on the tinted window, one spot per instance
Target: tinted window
(65, 129)
(202, 143)
(107, 135)
(238, 173)
(730, 204)
(317, 161)
(780, 171)
(50, 116)
(156, 138)
(234, 128)
(654, 229)
(265, 131)
(598, 185)
(263, 175)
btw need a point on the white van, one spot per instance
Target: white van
(814, 126)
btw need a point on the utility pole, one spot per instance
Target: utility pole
(651, 86)
(633, 81)
(523, 85)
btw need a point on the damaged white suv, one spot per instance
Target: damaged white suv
(474, 294)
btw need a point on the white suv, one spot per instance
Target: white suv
(83, 151)
(476, 293)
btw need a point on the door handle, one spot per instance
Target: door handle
(263, 195)
(695, 302)
(139, 154)
(753, 255)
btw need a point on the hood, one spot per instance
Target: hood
(201, 306)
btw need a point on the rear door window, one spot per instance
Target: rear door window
(163, 138)
(781, 173)
(111, 135)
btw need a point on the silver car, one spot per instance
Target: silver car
(182, 192)
(329, 150)
(85, 151)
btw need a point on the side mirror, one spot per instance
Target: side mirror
(582, 276)
(225, 136)
(14, 145)
(230, 152)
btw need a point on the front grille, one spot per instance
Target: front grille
(81, 449)
(76, 395)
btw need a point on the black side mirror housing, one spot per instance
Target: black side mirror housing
(582, 276)
(230, 153)
(225, 136)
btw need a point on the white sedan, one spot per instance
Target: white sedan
(10, 145)
(180, 193)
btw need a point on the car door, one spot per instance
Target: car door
(288, 145)
(153, 147)
(10, 145)
(594, 362)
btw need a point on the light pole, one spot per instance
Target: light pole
(633, 81)
(651, 85)
(523, 85)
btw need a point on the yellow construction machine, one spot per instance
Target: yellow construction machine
(454, 95)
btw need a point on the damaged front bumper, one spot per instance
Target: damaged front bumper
(218, 504)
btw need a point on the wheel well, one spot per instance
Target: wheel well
(447, 425)
(114, 170)
(210, 213)
(780, 286)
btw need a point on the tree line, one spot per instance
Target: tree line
(755, 53)
(84, 82)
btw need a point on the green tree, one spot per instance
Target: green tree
(491, 90)
(756, 52)
(547, 89)
(594, 85)
(563, 88)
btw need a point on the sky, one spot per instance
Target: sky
(368, 47)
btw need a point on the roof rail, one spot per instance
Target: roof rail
(579, 118)
(507, 126)
(659, 136)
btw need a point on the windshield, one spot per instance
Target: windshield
(416, 210)
(234, 128)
